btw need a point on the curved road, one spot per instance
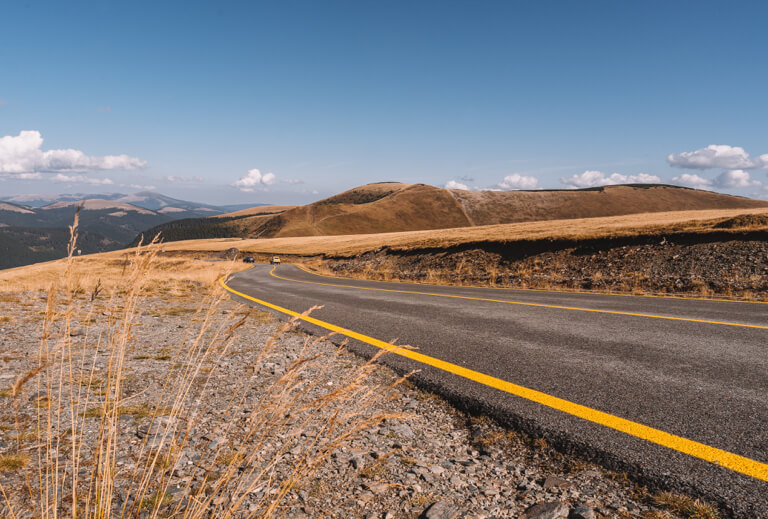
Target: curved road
(674, 390)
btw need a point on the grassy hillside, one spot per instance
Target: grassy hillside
(627, 226)
(495, 207)
(183, 259)
(262, 210)
(393, 207)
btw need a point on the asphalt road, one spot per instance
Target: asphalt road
(694, 369)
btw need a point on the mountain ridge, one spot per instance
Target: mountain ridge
(37, 230)
(397, 207)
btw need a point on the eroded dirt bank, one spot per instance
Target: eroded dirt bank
(727, 265)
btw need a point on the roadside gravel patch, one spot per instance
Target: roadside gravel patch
(413, 456)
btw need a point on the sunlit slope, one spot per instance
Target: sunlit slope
(394, 207)
(660, 224)
(494, 207)
(188, 259)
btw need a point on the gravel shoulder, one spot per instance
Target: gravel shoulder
(408, 453)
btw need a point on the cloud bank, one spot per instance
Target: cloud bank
(183, 180)
(735, 178)
(81, 179)
(254, 179)
(452, 184)
(517, 181)
(594, 178)
(693, 180)
(717, 156)
(23, 154)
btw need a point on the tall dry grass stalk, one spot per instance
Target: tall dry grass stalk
(70, 411)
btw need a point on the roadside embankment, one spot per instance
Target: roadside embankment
(717, 264)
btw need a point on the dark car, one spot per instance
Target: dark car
(248, 259)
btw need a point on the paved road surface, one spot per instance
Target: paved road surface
(694, 373)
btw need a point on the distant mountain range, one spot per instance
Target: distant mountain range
(145, 199)
(34, 228)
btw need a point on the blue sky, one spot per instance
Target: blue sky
(189, 97)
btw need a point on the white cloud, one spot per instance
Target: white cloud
(718, 156)
(80, 179)
(293, 181)
(254, 179)
(593, 178)
(735, 178)
(517, 181)
(692, 180)
(22, 176)
(183, 180)
(452, 184)
(23, 154)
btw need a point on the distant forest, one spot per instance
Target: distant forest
(24, 245)
(193, 229)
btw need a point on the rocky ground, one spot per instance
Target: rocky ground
(733, 268)
(227, 412)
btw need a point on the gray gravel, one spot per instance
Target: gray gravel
(432, 461)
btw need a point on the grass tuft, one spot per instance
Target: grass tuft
(12, 462)
(685, 506)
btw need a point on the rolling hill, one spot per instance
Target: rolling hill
(396, 207)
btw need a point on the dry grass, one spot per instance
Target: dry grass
(576, 229)
(64, 461)
(685, 506)
(176, 272)
(169, 276)
(394, 207)
(256, 211)
(12, 462)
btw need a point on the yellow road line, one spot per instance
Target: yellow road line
(521, 303)
(714, 455)
(544, 290)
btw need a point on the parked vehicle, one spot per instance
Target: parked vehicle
(248, 259)
(275, 260)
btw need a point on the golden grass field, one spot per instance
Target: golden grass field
(573, 229)
(169, 274)
(258, 211)
(178, 264)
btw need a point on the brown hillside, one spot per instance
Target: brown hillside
(258, 211)
(396, 207)
(495, 207)
(375, 208)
